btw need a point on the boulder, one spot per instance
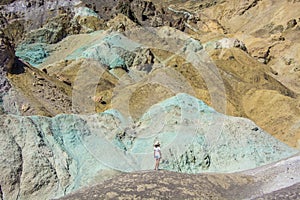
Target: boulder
(291, 24)
(227, 43)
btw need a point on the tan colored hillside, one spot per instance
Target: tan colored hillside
(260, 79)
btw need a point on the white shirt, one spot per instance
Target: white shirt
(157, 152)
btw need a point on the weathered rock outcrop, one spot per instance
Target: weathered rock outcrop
(47, 21)
(7, 59)
(134, 59)
(44, 158)
(54, 156)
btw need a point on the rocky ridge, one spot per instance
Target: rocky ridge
(169, 185)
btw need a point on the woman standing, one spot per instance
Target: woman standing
(157, 154)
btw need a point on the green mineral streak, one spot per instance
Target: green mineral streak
(34, 54)
(67, 135)
(114, 50)
(194, 138)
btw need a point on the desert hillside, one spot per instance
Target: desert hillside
(87, 87)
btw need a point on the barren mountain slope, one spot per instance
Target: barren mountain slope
(258, 71)
(87, 86)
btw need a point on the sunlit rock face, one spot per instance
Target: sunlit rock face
(55, 156)
(86, 87)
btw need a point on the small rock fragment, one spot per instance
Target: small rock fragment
(25, 107)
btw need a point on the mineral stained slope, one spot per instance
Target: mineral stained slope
(87, 86)
(256, 57)
(55, 156)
